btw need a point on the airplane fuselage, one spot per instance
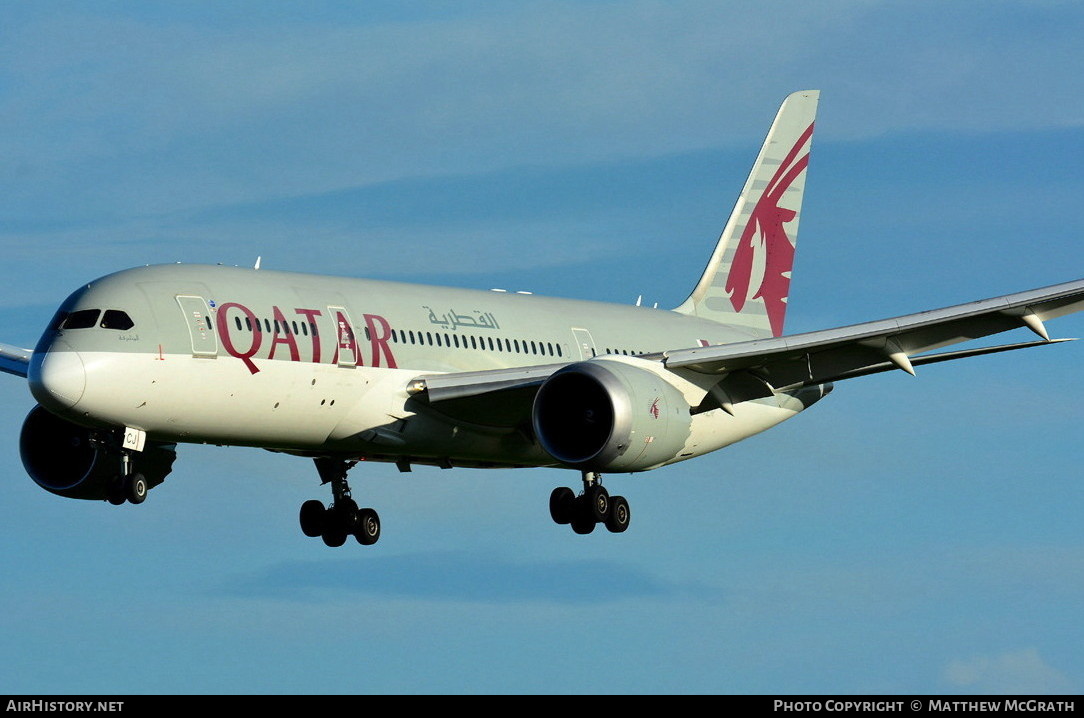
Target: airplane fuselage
(313, 364)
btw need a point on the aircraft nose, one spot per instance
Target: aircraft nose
(58, 380)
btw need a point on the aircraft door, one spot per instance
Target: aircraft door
(584, 341)
(346, 340)
(198, 318)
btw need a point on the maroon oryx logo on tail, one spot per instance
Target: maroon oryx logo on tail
(766, 221)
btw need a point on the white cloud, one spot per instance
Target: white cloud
(1022, 672)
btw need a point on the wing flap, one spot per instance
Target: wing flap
(937, 358)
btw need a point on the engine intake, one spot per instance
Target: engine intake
(610, 415)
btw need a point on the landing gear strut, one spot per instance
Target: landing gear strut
(594, 506)
(129, 485)
(342, 518)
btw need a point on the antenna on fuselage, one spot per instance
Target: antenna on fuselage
(258, 262)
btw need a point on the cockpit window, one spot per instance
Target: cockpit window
(83, 319)
(116, 319)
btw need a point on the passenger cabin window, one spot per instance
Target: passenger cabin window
(83, 319)
(116, 319)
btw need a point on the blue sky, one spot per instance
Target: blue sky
(905, 535)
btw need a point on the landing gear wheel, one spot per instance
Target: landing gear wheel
(619, 517)
(597, 502)
(583, 519)
(562, 505)
(582, 526)
(346, 513)
(116, 494)
(342, 518)
(367, 530)
(136, 488)
(334, 534)
(312, 518)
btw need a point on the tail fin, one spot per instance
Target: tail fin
(758, 242)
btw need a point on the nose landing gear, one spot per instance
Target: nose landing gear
(139, 471)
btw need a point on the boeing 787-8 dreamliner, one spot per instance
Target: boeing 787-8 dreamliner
(344, 370)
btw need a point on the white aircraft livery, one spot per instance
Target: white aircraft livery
(344, 370)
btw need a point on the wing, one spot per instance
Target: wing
(861, 349)
(14, 360)
(751, 369)
(496, 397)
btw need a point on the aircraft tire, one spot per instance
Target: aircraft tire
(116, 494)
(562, 505)
(620, 515)
(136, 488)
(334, 535)
(313, 518)
(583, 519)
(346, 513)
(597, 502)
(581, 526)
(367, 530)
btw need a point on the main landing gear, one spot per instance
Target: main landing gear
(342, 518)
(593, 506)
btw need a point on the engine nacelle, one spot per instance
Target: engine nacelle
(64, 459)
(610, 415)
